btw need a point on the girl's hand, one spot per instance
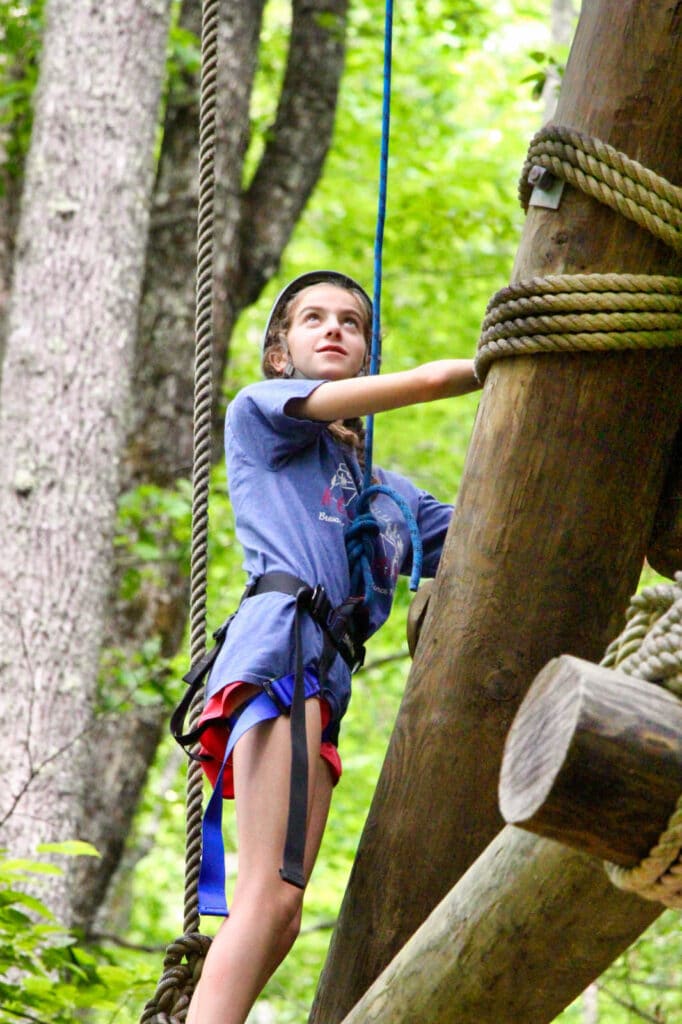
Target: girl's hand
(362, 396)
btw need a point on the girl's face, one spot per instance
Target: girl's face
(326, 337)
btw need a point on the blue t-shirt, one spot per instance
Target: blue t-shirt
(293, 489)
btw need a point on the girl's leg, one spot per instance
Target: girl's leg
(265, 913)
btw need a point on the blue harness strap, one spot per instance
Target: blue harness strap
(261, 708)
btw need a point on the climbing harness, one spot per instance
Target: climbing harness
(343, 628)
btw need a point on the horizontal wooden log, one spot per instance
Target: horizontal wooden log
(508, 944)
(593, 759)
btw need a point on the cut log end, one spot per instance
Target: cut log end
(537, 743)
(594, 759)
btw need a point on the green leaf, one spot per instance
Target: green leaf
(70, 848)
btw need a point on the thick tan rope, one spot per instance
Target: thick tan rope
(650, 648)
(184, 958)
(591, 312)
(609, 176)
(581, 313)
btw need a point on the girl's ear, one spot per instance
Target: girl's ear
(279, 359)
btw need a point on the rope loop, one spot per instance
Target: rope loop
(359, 542)
(591, 312)
(650, 648)
(181, 970)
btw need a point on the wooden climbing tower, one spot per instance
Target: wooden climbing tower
(563, 493)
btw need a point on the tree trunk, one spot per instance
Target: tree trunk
(252, 227)
(8, 219)
(554, 513)
(65, 388)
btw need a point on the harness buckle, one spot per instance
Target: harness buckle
(320, 606)
(359, 652)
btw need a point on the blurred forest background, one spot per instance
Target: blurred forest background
(472, 81)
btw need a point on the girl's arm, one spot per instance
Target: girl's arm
(362, 396)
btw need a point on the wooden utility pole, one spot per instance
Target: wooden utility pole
(554, 514)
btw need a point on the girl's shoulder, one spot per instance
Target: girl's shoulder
(272, 394)
(258, 424)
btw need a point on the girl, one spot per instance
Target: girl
(294, 446)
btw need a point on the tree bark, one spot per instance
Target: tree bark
(65, 387)
(483, 954)
(252, 226)
(555, 509)
(9, 209)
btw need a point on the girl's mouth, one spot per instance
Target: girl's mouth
(332, 348)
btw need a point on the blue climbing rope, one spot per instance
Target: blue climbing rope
(360, 533)
(375, 352)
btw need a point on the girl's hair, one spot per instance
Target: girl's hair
(350, 432)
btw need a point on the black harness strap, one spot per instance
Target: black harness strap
(341, 634)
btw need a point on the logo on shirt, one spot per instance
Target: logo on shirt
(337, 498)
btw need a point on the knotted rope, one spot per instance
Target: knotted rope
(581, 313)
(591, 312)
(185, 957)
(650, 648)
(360, 533)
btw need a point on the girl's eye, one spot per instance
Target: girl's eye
(353, 322)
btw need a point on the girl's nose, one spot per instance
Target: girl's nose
(333, 326)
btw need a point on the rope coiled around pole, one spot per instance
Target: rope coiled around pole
(591, 312)
(611, 177)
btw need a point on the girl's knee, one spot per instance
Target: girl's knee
(290, 933)
(288, 908)
(276, 903)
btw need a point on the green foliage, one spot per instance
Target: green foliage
(184, 62)
(154, 524)
(643, 984)
(20, 42)
(547, 64)
(45, 974)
